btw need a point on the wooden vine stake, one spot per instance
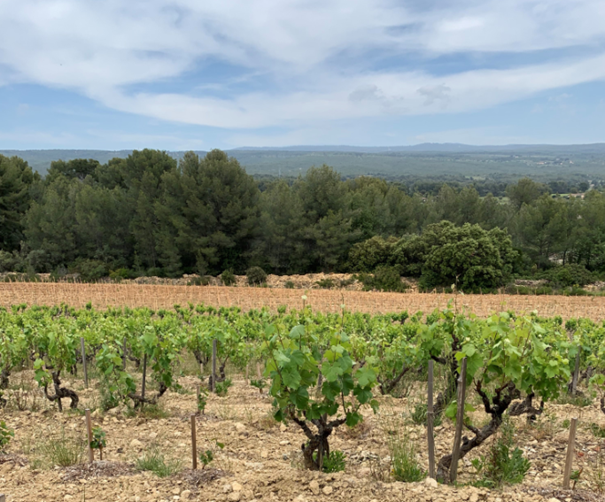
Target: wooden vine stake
(144, 378)
(213, 386)
(430, 419)
(193, 444)
(91, 455)
(571, 446)
(84, 362)
(576, 374)
(2, 497)
(459, 422)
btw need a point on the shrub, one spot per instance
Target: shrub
(326, 283)
(121, 274)
(228, 278)
(256, 276)
(367, 255)
(385, 278)
(568, 275)
(289, 285)
(91, 270)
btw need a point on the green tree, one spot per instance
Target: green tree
(16, 179)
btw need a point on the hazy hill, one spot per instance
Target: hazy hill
(425, 160)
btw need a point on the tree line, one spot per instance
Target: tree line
(148, 214)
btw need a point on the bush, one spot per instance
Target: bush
(367, 255)
(121, 274)
(228, 278)
(569, 275)
(256, 276)
(91, 270)
(289, 285)
(326, 283)
(385, 278)
(221, 388)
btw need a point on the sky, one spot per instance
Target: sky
(192, 74)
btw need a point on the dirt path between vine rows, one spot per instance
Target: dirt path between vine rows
(159, 296)
(261, 458)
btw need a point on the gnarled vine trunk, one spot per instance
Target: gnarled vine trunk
(496, 408)
(317, 442)
(61, 392)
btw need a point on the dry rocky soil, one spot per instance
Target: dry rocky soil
(261, 458)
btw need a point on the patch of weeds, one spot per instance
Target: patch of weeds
(579, 400)
(334, 462)
(596, 475)
(566, 423)
(63, 451)
(153, 460)
(502, 465)
(266, 422)
(6, 435)
(149, 411)
(542, 428)
(404, 464)
(289, 285)
(326, 283)
(597, 430)
(419, 415)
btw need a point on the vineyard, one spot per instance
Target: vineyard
(101, 296)
(295, 403)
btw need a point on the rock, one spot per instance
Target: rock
(328, 490)
(186, 494)
(553, 499)
(430, 482)
(227, 488)
(153, 435)
(176, 491)
(235, 496)
(314, 487)
(239, 427)
(135, 443)
(264, 454)
(474, 497)
(284, 443)
(283, 428)
(236, 486)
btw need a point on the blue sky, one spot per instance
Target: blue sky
(190, 74)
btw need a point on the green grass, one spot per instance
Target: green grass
(153, 460)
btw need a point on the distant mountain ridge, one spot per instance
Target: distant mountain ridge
(425, 159)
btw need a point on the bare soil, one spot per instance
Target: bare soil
(161, 296)
(260, 459)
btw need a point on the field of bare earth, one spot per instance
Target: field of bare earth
(164, 296)
(260, 460)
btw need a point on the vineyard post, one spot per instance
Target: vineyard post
(258, 371)
(124, 354)
(89, 432)
(459, 421)
(84, 362)
(570, 451)
(213, 387)
(576, 374)
(193, 443)
(430, 417)
(2, 497)
(144, 378)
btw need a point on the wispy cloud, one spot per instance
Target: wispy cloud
(133, 56)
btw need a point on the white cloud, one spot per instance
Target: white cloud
(102, 49)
